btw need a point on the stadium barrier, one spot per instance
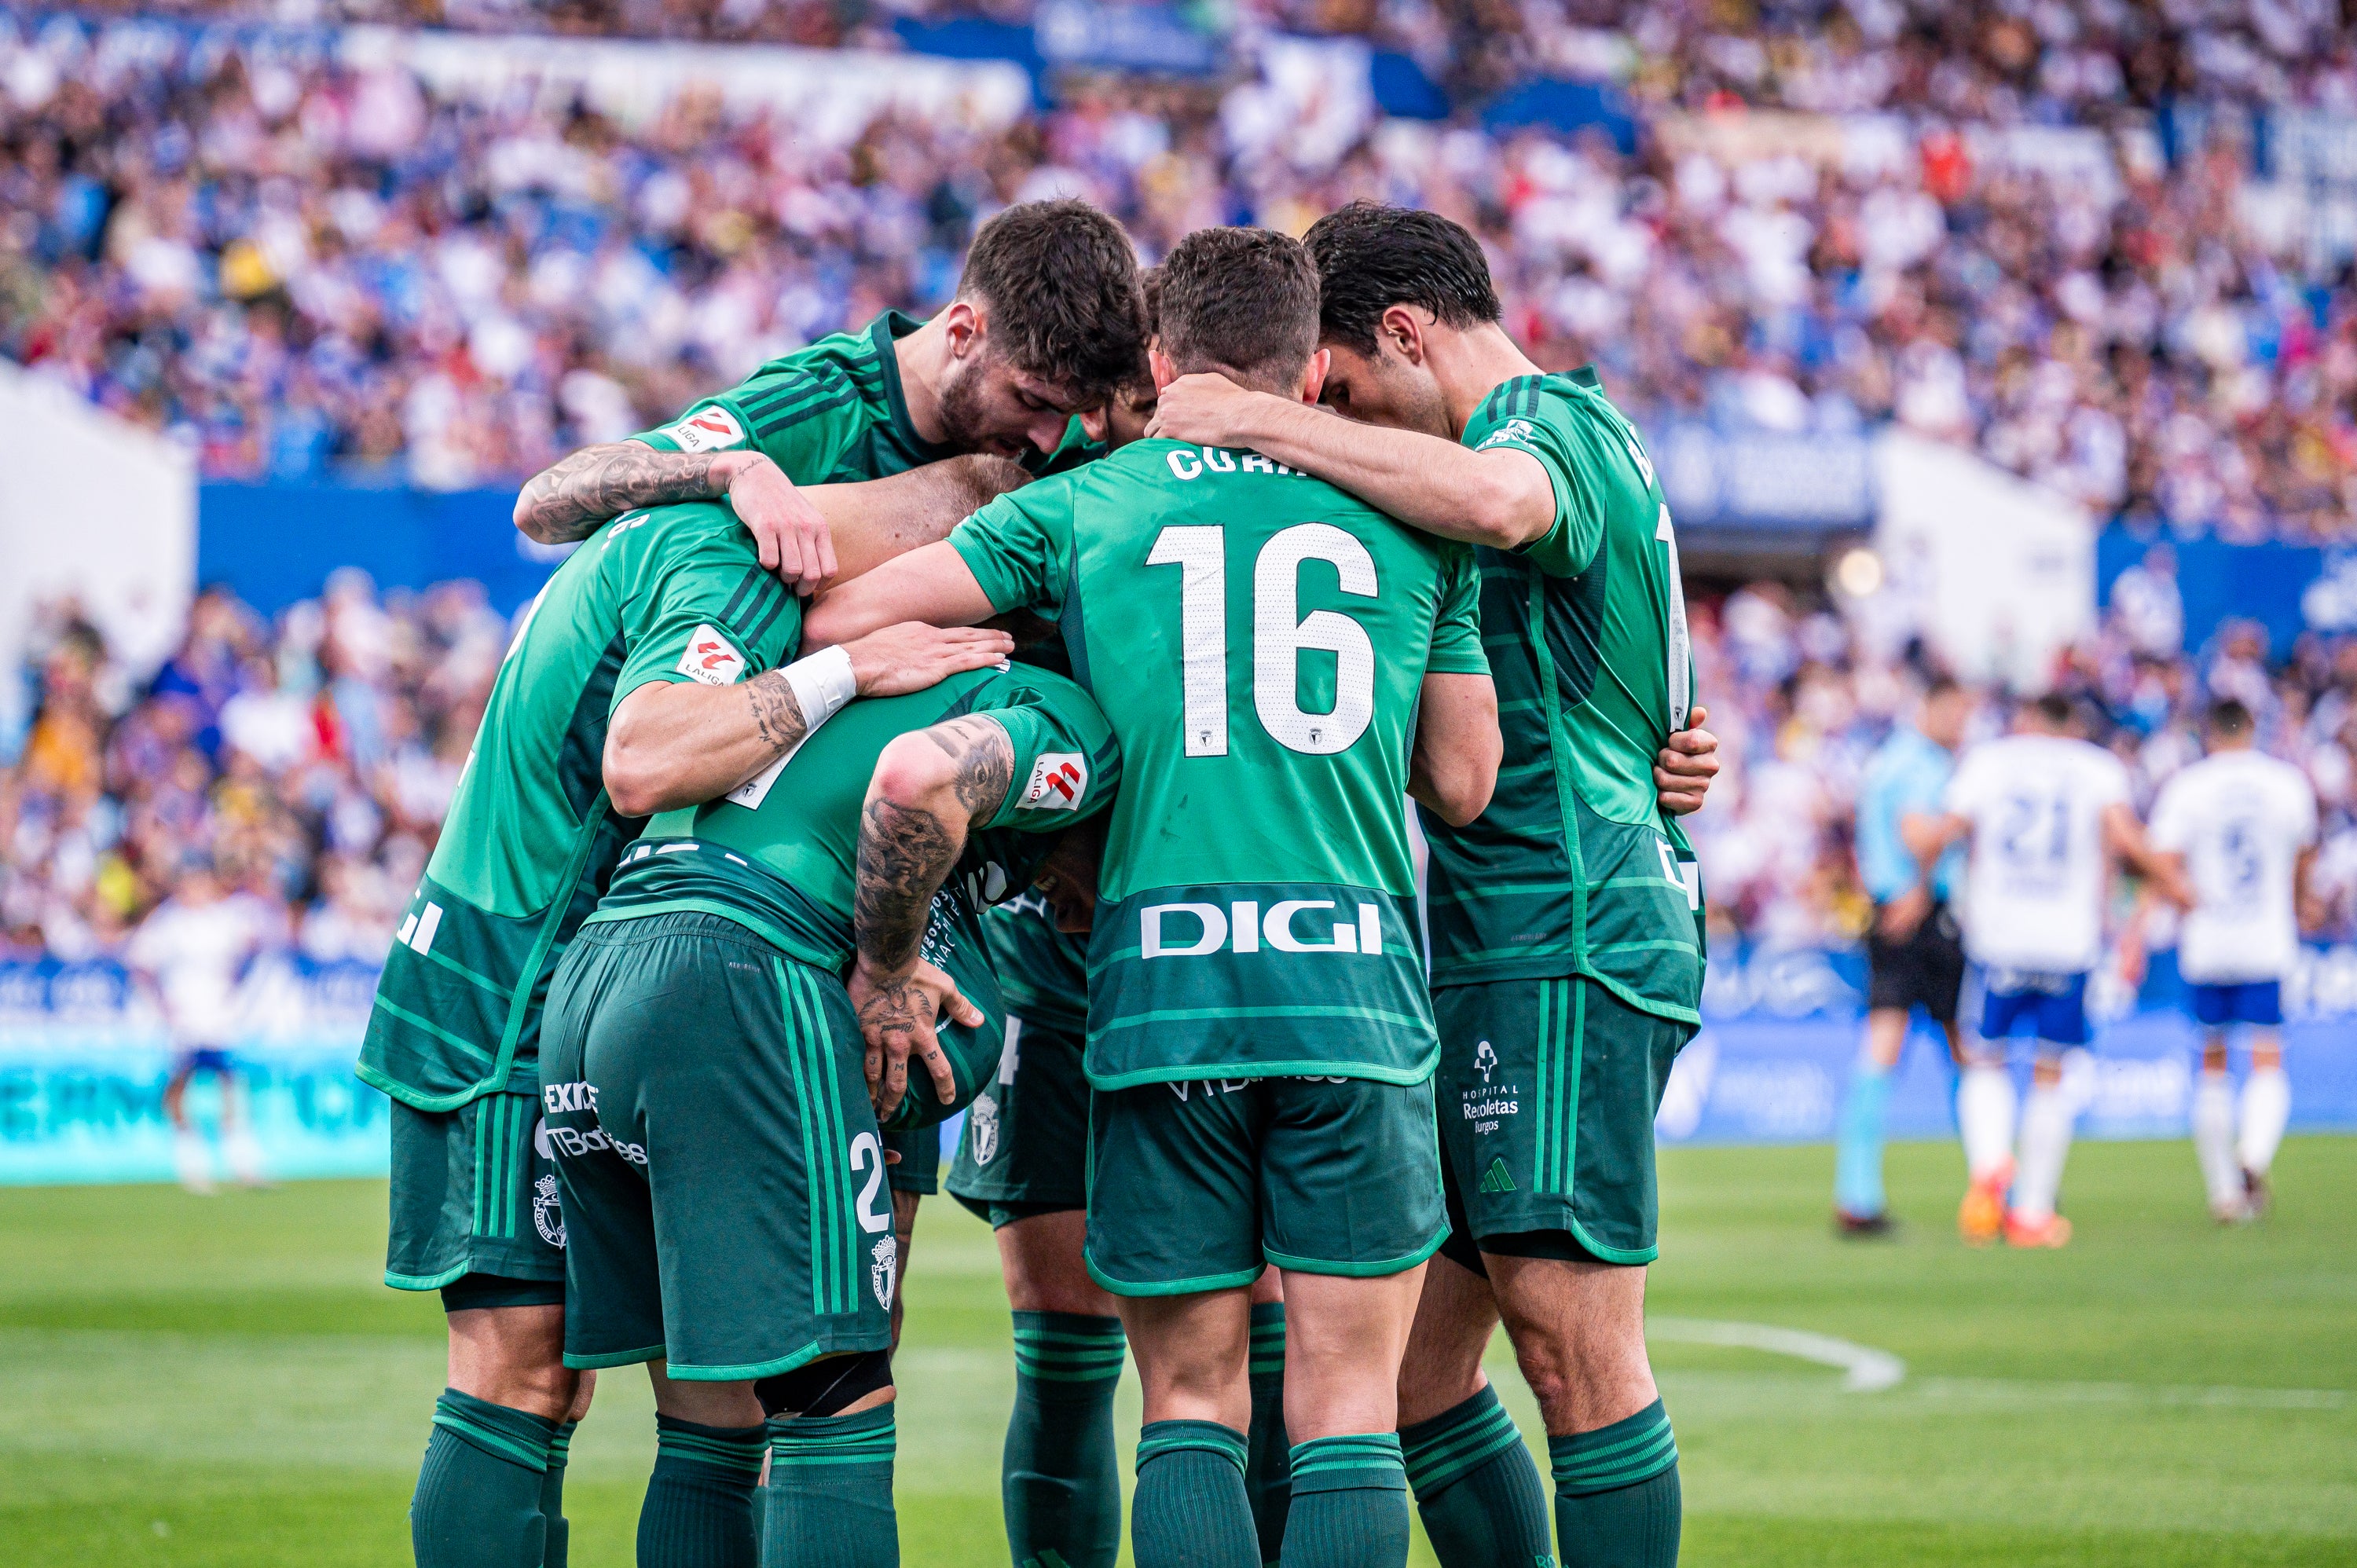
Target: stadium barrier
(83, 1064)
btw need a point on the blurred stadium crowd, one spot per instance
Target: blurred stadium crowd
(309, 270)
(303, 266)
(315, 758)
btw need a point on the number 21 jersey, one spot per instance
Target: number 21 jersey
(1258, 640)
(2034, 891)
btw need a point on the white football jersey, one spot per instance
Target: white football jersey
(2240, 818)
(2034, 888)
(199, 956)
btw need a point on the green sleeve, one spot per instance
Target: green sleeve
(704, 611)
(1457, 619)
(1567, 547)
(801, 420)
(1066, 765)
(1018, 545)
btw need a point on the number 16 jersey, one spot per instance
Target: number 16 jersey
(1258, 640)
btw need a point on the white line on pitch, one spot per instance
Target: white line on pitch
(1864, 1370)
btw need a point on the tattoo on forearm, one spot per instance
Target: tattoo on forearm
(906, 851)
(570, 499)
(777, 712)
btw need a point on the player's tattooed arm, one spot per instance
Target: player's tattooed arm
(574, 498)
(777, 712)
(927, 790)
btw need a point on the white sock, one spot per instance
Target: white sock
(1984, 1119)
(2213, 1139)
(2266, 1106)
(2045, 1143)
(244, 1151)
(192, 1162)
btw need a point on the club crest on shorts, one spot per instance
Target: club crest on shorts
(883, 1265)
(547, 1212)
(984, 1117)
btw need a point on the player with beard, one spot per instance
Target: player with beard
(1044, 329)
(1566, 920)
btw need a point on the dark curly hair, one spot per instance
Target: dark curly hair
(1061, 281)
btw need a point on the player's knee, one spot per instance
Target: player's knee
(827, 1387)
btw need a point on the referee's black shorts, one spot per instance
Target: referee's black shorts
(1926, 970)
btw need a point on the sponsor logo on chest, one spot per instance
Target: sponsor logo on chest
(1290, 925)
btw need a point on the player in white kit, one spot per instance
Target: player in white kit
(2241, 827)
(193, 953)
(2046, 813)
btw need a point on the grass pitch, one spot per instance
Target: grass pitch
(200, 1382)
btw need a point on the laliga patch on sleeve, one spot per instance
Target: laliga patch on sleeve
(711, 659)
(709, 429)
(1059, 779)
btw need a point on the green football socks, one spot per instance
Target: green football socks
(1616, 1493)
(478, 1493)
(1476, 1488)
(829, 1493)
(1059, 1482)
(1191, 1510)
(552, 1499)
(699, 1507)
(1268, 1477)
(1349, 1503)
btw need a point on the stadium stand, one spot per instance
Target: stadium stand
(2063, 238)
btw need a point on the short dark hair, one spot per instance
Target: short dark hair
(2055, 709)
(1239, 299)
(1060, 280)
(1940, 685)
(2228, 715)
(1371, 257)
(1149, 301)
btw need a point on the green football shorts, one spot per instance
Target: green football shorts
(1025, 1147)
(475, 1207)
(1193, 1186)
(723, 1181)
(1547, 1091)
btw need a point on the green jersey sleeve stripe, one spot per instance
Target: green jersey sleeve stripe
(784, 389)
(751, 582)
(777, 606)
(439, 1033)
(463, 973)
(793, 413)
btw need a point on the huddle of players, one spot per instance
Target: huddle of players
(2025, 829)
(687, 889)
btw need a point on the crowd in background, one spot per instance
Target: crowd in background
(305, 268)
(312, 760)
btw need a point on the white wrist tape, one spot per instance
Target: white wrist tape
(821, 683)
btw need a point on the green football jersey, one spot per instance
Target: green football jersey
(672, 593)
(1043, 973)
(1573, 869)
(826, 414)
(780, 855)
(1258, 640)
